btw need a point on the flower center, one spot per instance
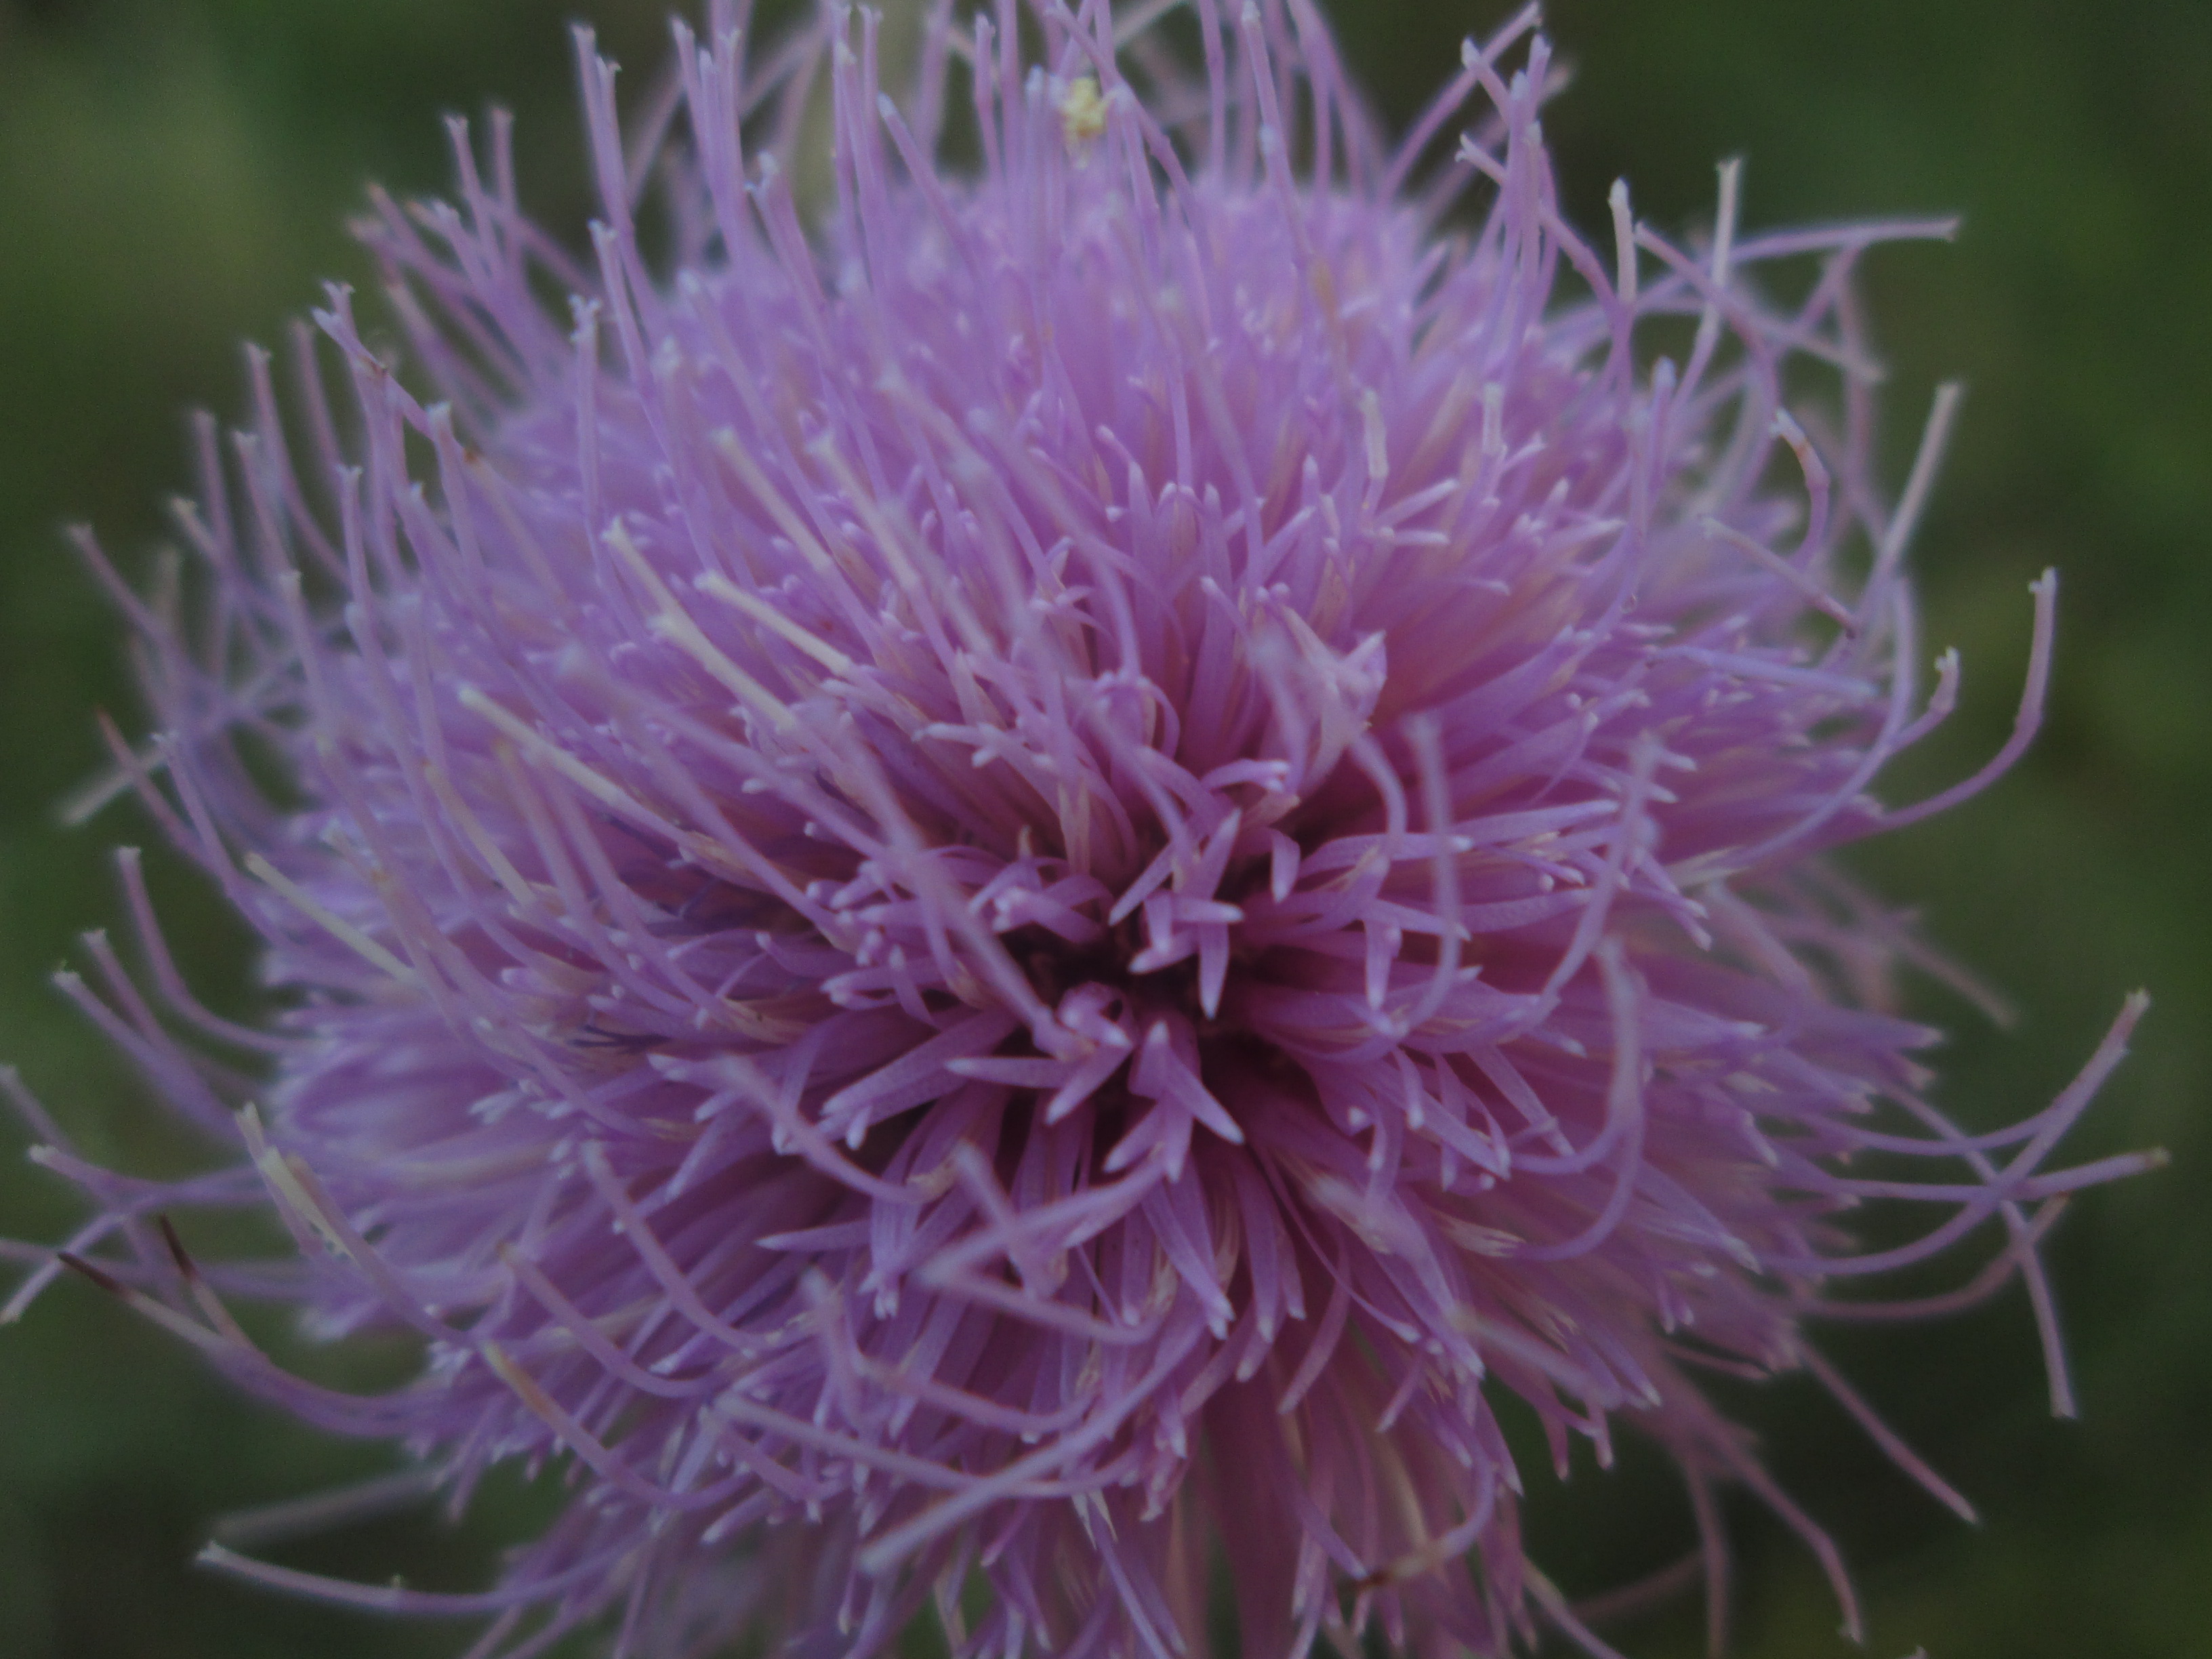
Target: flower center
(1115, 962)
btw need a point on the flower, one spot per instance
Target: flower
(1036, 876)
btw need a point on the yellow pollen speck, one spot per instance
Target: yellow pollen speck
(1082, 112)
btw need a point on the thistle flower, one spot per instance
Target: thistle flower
(1030, 879)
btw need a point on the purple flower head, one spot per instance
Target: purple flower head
(1024, 874)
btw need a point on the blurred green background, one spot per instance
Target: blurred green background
(174, 178)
